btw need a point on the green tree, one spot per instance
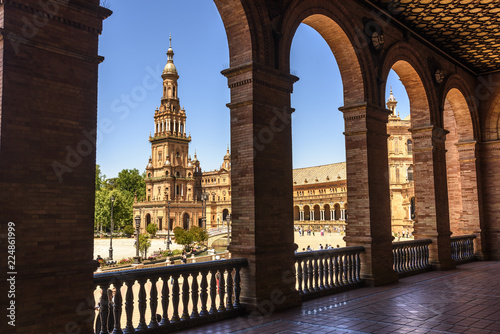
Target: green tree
(129, 180)
(100, 179)
(183, 237)
(199, 235)
(122, 208)
(128, 230)
(151, 229)
(144, 244)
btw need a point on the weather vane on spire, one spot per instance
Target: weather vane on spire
(170, 39)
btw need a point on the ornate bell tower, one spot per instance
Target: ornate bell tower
(170, 160)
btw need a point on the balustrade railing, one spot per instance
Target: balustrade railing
(328, 271)
(411, 257)
(462, 248)
(168, 298)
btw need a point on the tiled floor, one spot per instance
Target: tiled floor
(463, 300)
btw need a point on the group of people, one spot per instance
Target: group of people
(311, 231)
(321, 247)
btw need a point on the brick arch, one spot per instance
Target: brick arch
(238, 31)
(492, 123)
(411, 69)
(459, 98)
(329, 20)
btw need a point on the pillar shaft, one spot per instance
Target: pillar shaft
(262, 198)
(471, 222)
(431, 193)
(369, 219)
(490, 173)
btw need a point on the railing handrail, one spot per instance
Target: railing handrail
(415, 242)
(462, 237)
(339, 251)
(130, 274)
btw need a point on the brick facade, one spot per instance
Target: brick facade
(49, 67)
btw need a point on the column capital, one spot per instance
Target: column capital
(256, 73)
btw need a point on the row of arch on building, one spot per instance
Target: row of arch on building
(320, 212)
(185, 220)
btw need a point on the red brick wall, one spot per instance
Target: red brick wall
(47, 158)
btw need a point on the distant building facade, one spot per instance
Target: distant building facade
(178, 193)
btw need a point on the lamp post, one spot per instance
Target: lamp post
(137, 259)
(112, 227)
(228, 219)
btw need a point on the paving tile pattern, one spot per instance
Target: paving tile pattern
(463, 300)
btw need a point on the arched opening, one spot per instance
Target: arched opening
(327, 215)
(225, 212)
(413, 114)
(307, 212)
(317, 126)
(317, 214)
(337, 211)
(296, 213)
(148, 219)
(185, 221)
(160, 223)
(461, 169)
(400, 152)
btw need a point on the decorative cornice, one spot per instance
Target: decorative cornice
(97, 11)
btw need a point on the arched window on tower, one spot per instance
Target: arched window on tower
(409, 146)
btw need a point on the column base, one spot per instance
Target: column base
(379, 280)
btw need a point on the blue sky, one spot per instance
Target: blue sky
(134, 43)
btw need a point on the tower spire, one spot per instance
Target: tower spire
(391, 103)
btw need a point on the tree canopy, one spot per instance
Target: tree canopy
(123, 188)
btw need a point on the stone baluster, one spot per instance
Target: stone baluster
(129, 307)
(320, 272)
(331, 271)
(336, 269)
(185, 297)
(229, 302)
(213, 292)
(104, 308)
(237, 288)
(316, 274)
(153, 302)
(194, 295)
(175, 299)
(204, 294)
(118, 308)
(142, 305)
(358, 267)
(299, 276)
(349, 268)
(221, 292)
(341, 270)
(306, 276)
(165, 296)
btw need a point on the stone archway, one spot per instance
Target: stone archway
(428, 146)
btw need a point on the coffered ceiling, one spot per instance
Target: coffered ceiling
(467, 30)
